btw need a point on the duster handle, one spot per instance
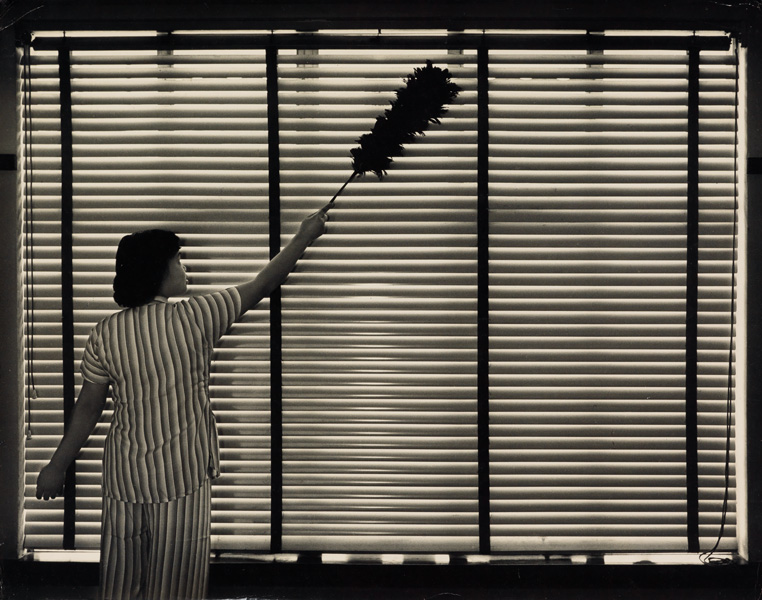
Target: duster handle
(346, 183)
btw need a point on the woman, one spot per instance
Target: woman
(161, 451)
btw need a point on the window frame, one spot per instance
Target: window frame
(478, 42)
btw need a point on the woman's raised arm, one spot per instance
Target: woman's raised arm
(279, 267)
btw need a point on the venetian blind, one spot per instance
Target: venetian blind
(379, 325)
(588, 157)
(587, 180)
(43, 526)
(174, 140)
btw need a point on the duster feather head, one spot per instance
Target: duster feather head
(416, 105)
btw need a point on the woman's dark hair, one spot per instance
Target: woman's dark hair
(141, 262)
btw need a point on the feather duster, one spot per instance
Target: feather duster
(416, 105)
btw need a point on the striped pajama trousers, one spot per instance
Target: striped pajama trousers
(156, 551)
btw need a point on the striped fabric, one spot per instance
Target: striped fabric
(158, 550)
(162, 443)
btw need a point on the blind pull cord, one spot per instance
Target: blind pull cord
(29, 234)
(708, 557)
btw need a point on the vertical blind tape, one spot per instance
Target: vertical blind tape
(276, 333)
(67, 275)
(483, 359)
(691, 294)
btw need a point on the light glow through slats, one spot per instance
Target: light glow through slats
(587, 188)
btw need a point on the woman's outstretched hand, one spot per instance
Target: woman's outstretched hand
(276, 271)
(50, 482)
(315, 225)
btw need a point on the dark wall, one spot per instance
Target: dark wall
(754, 290)
(741, 17)
(11, 390)
(584, 14)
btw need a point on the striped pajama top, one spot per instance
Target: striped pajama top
(162, 442)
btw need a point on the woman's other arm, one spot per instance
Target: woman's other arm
(87, 411)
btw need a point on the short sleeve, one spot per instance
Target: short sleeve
(215, 313)
(91, 367)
